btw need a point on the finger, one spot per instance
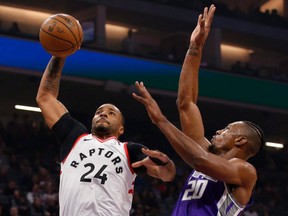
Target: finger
(156, 154)
(151, 153)
(148, 152)
(200, 18)
(211, 13)
(209, 18)
(138, 98)
(139, 86)
(143, 91)
(137, 164)
(202, 25)
(205, 12)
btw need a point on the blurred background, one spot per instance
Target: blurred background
(243, 77)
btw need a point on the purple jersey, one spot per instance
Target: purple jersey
(204, 196)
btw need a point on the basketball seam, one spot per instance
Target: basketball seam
(58, 50)
(67, 28)
(57, 37)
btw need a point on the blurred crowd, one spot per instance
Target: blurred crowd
(130, 47)
(267, 17)
(29, 154)
(29, 176)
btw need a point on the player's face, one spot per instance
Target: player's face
(224, 139)
(107, 121)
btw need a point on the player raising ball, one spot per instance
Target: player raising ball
(97, 169)
(61, 35)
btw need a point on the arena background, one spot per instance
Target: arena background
(102, 71)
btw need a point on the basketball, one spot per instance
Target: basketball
(61, 35)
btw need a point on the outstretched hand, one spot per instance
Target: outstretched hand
(201, 31)
(158, 165)
(150, 104)
(163, 158)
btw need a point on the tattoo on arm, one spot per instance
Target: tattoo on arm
(193, 50)
(54, 67)
(53, 78)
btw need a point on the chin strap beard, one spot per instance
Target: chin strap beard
(100, 130)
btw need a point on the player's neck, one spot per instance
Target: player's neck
(234, 153)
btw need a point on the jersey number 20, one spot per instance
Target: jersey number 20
(196, 190)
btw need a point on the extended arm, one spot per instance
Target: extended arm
(190, 117)
(158, 165)
(47, 94)
(234, 171)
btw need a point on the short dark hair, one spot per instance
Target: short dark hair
(258, 130)
(123, 119)
(122, 115)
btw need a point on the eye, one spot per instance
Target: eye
(97, 112)
(112, 113)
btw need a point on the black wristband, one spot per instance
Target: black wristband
(158, 162)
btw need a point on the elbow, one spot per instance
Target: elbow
(181, 103)
(42, 99)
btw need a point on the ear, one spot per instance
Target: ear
(241, 140)
(121, 130)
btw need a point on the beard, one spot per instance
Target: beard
(214, 150)
(101, 130)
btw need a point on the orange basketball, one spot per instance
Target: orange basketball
(61, 35)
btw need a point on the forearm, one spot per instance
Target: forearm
(190, 117)
(186, 148)
(47, 95)
(188, 82)
(50, 81)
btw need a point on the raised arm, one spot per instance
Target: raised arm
(48, 91)
(235, 171)
(190, 117)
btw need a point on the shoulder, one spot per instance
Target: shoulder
(242, 164)
(247, 175)
(245, 170)
(135, 145)
(134, 148)
(135, 151)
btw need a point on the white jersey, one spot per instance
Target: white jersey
(96, 178)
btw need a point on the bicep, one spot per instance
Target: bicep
(52, 111)
(136, 154)
(67, 130)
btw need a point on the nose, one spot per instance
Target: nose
(103, 114)
(218, 132)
